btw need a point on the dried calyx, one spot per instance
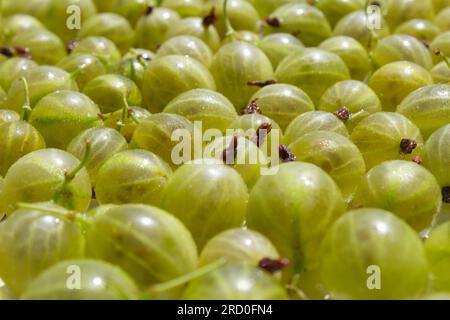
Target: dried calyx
(71, 45)
(252, 108)
(230, 153)
(211, 18)
(273, 22)
(262, 132)
(261, 84)
(417, 159)
(407, 146)
(17, 51)
(149, 10)
(286, 154)
(343, 114)
(446, 194)
(439, 53)
(273, 265)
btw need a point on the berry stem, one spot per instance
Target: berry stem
(26, 107)
(174, 283)
(125, 108)
(70, 215)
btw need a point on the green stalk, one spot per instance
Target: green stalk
(122, 121)
(174, 283)
(27, 106)
(230, 30)
(68, 178)
(63, 213)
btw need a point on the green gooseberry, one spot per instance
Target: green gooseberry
(101, 47)
(213, 109)
(404, 188)
(17, 138)
(234, 65)
(111, 26)
(421, 29)
(238, 245)
(427, 107)
(13, 69)
(197, 27)
(185, 8)
(436, 249)
(209, 191)
(355, 24)
(436, 155)
(278, 46)
(148, 243)
(314, 121)
(169, 76)
(131, 10)
(441, 73)
(60, 116)
(34, 240)
(366, 244)
(387, 136)
(308, 23)
(41, 81)
(241, 154)
(401, 47)
(396, 80)
(86, 66)
(132, 176)
(240, 13)
(103, 143)
(336, 155)
(111, 91)
(442, 19)
(8, 116)
(227, 282)
(43, 175)
(313, 70)
(44, 46)
(351, 100)
(62, 19)
(188, 46)
(155, 133)
(100, 281)
(294, 208)
(152, 27)
(18, 23)
(352, 53)
(282, 103)
(335, 10)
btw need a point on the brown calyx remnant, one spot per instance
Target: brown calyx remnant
(407, 146)
(23, 52)
(375, 3)
(446, 194)
(273, 22)
(71, 45)
(149, 10)
(252, 108)
(343, 114)
(7, 51)
(211, 18)
(230, 153)
(417, 159)
(261, 84)
(262, 132)
(273, 265)
(17, 51)
(286, 154)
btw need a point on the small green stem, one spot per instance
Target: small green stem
(158, 288)
(69, 177)
(27, 106)
(134, 118)
(122, 121)
(74, 75)
(230, 30)
(70, 215)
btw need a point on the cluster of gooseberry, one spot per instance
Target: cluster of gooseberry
(357, 208)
